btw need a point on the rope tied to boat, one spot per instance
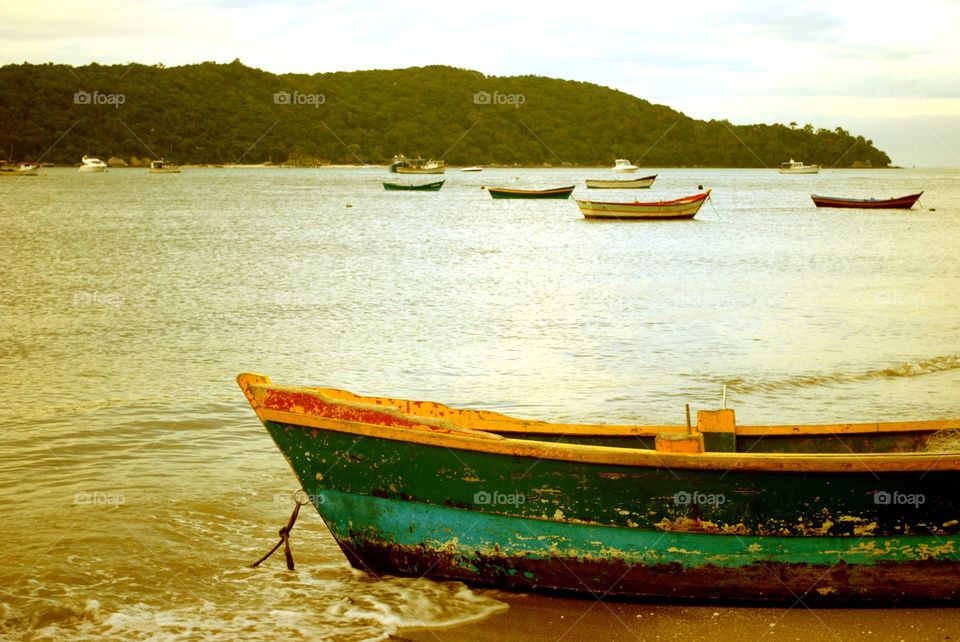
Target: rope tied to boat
(299, 499)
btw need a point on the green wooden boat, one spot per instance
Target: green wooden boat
(426, 187)
(855, 514)
(556, 192)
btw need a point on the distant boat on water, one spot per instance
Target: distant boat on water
(8, 168)
(680, 208)
(893, 203)
(628, 183)
(161, 166)
(403, 165)
(797, 167)
(426, 187)
(506, 192)
(472, 169)
(624, 165)
(92, 165)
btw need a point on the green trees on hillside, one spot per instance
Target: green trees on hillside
(216, 113)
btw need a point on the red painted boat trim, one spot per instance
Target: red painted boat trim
(640, 205)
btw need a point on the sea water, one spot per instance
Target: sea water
(137, 486)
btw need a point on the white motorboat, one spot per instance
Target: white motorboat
(624, 165)
(92, 165)
(796, 167)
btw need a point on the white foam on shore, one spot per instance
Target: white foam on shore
(398, 603)
(252, 605)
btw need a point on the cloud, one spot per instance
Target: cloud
(790, 24)
(670, 53)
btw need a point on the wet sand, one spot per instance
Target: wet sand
(538, 618)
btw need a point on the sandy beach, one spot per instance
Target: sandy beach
(540, 618)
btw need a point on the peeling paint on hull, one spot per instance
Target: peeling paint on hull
(383, 536)
(409, 510)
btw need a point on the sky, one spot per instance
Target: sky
(887, 71)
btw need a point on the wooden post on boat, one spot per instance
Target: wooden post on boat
(675, 442)
(719, 428)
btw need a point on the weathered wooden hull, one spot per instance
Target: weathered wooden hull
(383, 536)
(406, 489)
(901, 203)
(630, 183)
(558, 192)
(681, 208)
(399, 187)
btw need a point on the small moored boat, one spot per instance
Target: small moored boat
(506, 192)
(797, 167)
(680, 208)
(893, 203)
(8, 168)
(624, 165)
(161, 166)
(426, 187)
(474, 168)
(849, 514)
(628, 183)
(92, 165)
(403, 165)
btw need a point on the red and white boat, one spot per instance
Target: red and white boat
(680, 208)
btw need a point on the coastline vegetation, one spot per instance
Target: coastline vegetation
(210, 113)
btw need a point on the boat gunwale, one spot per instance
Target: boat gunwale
(683, 200)
(450, 435)
(912, 198)
(421, 187)
(620, 181)
(553, 190)
(498, 422)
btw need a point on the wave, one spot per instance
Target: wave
(908, 369)
(326, 601)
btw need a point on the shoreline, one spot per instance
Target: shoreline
(546, 618)
(459, 167)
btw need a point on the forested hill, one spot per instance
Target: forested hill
(226, 113)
